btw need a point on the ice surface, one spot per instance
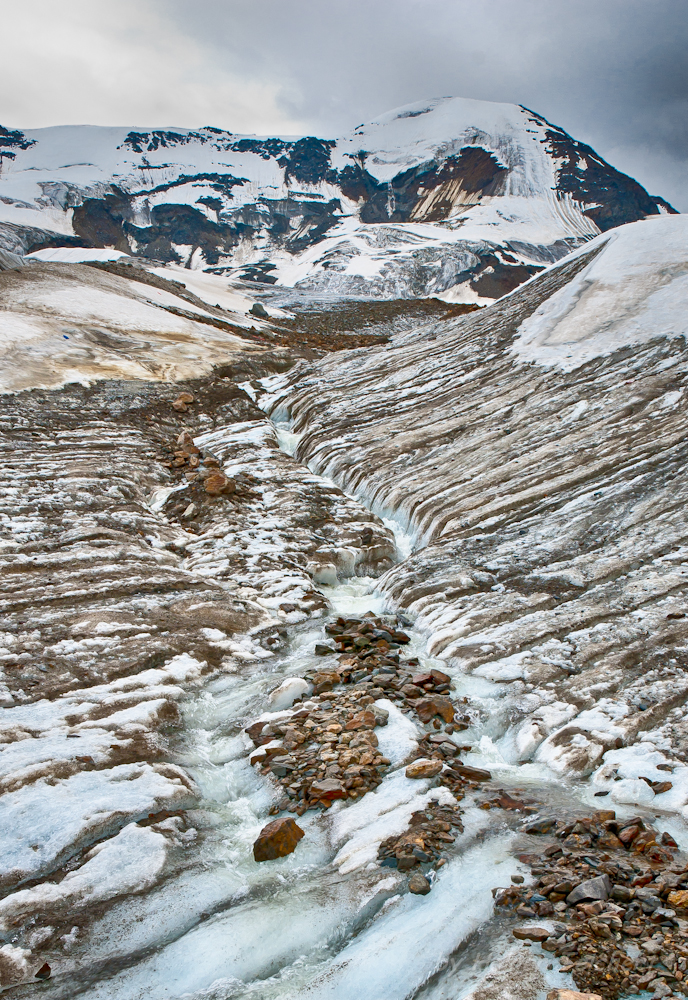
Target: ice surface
(413, 936)
(128, 862)
(90, 805)
(633, 290)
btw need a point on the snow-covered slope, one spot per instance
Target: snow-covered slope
(448, 197)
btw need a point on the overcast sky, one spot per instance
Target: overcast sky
(613, 73)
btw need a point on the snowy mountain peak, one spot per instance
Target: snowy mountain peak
(451, 197)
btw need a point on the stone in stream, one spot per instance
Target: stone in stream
(424, 768)
(471, 773)
(530, 933)
(592, 888)
(559, 994)
(437, 704)
(419, 885)
(277, 839)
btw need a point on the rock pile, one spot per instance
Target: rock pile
(330, 751)
(618, 897)
(429, 834)
(322, 753)
(370, 660)
(202, 471)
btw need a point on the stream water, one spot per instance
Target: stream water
(224, 927)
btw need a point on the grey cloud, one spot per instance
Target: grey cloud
(612, 73)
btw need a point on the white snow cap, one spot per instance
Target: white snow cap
(636, 288)
(74, 255)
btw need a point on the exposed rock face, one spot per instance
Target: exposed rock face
(448, 194)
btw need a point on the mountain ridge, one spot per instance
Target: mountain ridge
(451, 197)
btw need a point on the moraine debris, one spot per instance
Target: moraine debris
(328, 749)
(619, 899)
(419, 885)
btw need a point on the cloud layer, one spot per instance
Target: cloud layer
(614, 74)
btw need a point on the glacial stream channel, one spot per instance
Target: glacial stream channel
(223, 927)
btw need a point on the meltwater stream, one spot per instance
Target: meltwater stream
(326, 921)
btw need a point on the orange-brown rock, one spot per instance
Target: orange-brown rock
(364, 720)
(328, 788)
(424, 768)
(325, 680)
(277, 839)
(217, 483)
(436, 704)
(678, 898)
(530, 933)
(180, 402)
(559, 994)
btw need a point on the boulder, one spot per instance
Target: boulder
(424, 768)
(593, 888)
(471, 773)
(419, 885)
(364, 720)
(325, 680)
(277, 839)
(217, 483)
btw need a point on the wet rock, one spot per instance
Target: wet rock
(277, 839)
(43, 972)
(593, 888)
(428, 708)
(424, 768)
(559, 994)
(328, 788)
(322, 650)
(419, 885)
(530, 933)
(541, 826)
(471, 773)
